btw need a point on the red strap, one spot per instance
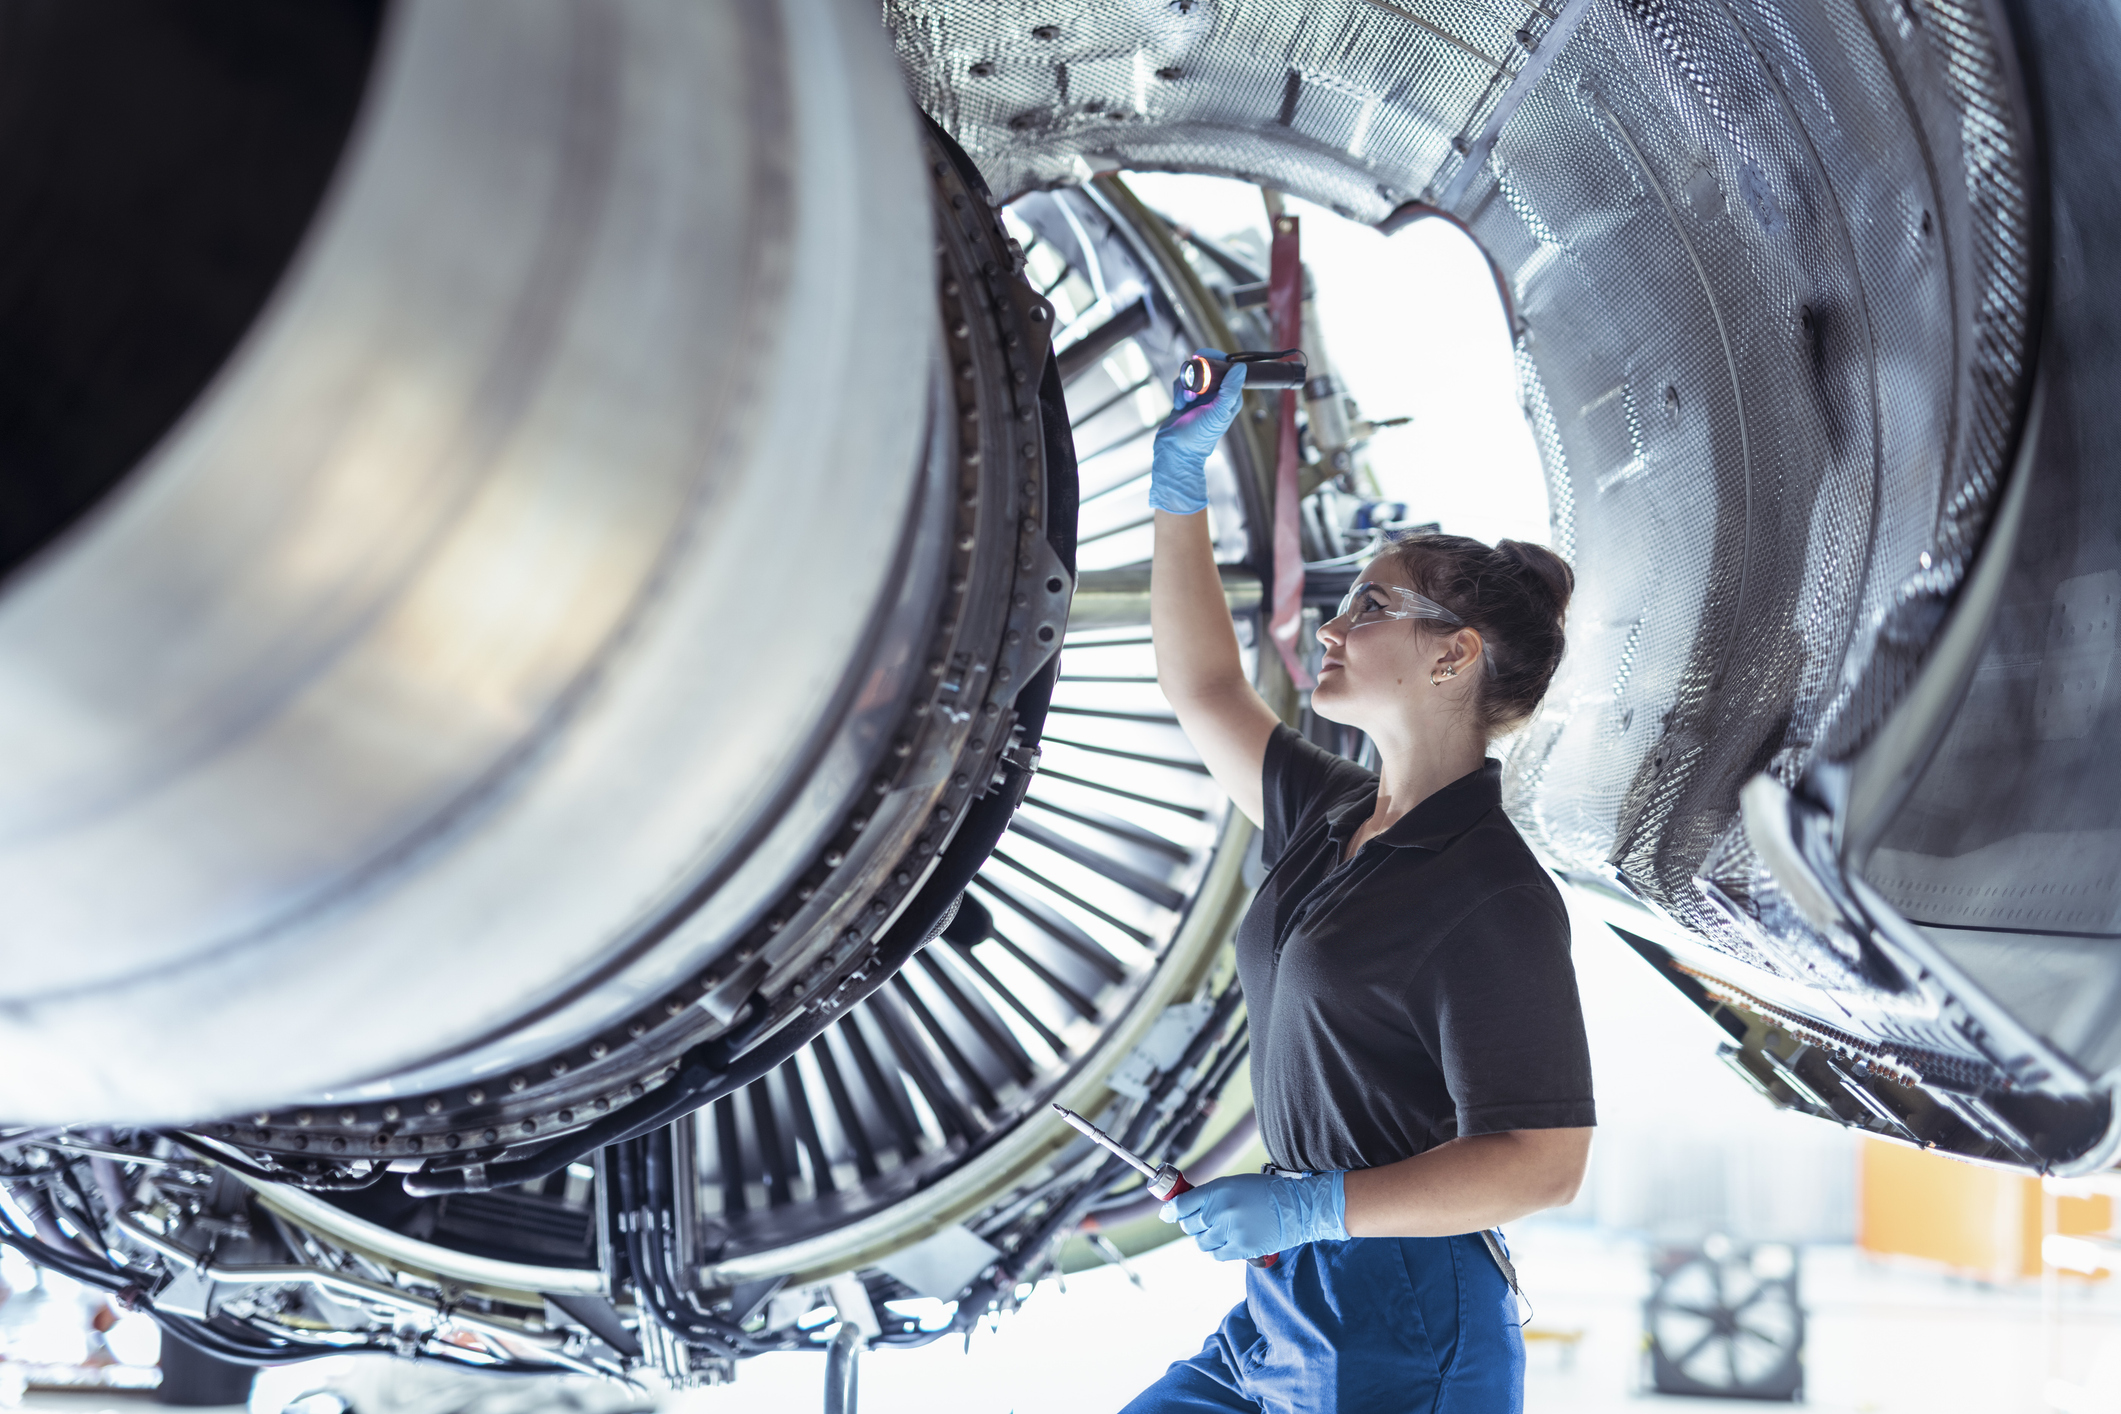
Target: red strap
(1285, 303)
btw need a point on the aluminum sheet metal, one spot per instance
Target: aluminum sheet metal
(1774, 266)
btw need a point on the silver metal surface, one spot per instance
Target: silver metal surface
(843, 1369)
(392, 700)
(1119, 598)
(209, 1274)
(342, 1228)
(1362, 104)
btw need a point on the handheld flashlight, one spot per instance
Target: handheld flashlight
(1279, 368)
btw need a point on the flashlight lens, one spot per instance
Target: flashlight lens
(1195, 375)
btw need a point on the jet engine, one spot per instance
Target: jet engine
(573, 642)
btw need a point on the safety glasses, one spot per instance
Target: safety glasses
(1373, 603)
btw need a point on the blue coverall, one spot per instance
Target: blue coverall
(1366, 1326)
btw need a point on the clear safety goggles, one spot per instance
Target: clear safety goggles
(1373, 603)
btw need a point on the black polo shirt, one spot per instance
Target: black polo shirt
(1417, 993)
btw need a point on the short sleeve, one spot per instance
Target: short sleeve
(1499, 1000)
(1297, 777)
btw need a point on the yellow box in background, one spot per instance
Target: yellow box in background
(1981, 1222)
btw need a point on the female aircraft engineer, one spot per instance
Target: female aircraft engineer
(1418, 1059)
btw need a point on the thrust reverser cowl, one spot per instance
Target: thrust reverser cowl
(493, 607)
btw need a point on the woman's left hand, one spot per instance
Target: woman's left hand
(1251, 1214)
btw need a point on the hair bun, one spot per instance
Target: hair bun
(1516, 595)
(1545, 568)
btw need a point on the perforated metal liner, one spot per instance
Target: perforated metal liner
(1773, 265)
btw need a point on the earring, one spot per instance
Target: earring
(1434, 681)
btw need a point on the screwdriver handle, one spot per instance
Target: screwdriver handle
(1169, 1183)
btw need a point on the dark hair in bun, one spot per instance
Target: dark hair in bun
(1516, 595)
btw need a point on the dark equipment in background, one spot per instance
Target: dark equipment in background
(1726, 1322)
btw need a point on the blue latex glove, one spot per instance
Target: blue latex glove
(1178, 467)
(1252, 1214)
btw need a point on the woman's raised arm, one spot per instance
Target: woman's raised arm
(1197, 660)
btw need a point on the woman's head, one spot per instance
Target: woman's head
(1477, 631)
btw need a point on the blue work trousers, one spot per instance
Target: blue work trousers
(1367, 1326)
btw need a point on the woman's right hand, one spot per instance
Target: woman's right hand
(1178, 467)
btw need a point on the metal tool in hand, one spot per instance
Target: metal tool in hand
(1203, 376)
(1165, 1181)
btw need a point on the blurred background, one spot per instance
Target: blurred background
(1769, 1254)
